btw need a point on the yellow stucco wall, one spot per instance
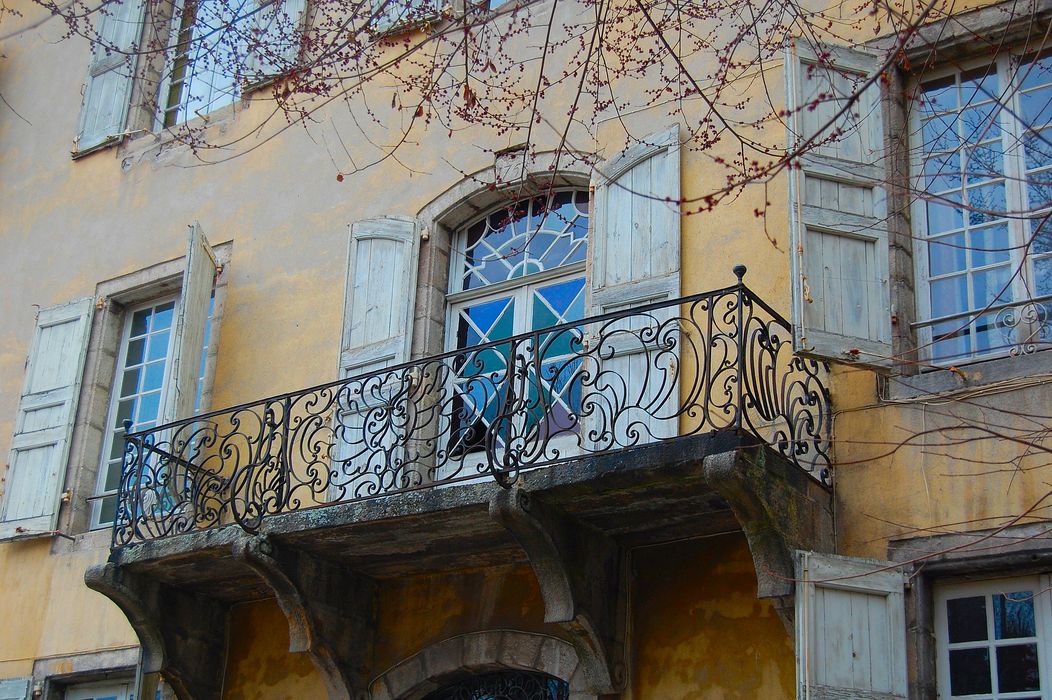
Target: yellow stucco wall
(67, 225)
(699, 632)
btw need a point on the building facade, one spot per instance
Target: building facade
(292, 415)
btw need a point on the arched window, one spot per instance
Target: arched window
(505, 685)
(517, 269)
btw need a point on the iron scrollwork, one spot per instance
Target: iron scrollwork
(721, 360)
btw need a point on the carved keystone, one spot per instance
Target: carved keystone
(329, 611)
(780, 509)
(177, 631)
(578, 570)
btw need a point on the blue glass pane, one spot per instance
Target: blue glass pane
(947, 254)
(1037, 72)
(991, 286)
(1037, 107)
(943, 172)
(985, 162)
(990, 245)
(1014, 615)
(149, 407)
(1038, 148)
(162, 316)
(158, 346)
(943, 216)
(154, 376)
(939, 96)
(940, 134)
(140, 322)
(986, 203)
(1043, 283)
(949, 296)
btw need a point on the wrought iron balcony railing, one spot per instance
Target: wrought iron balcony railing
(705, 363)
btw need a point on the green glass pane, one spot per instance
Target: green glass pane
(125, 409)
(117, 448)
(107, 509)
(113, 473)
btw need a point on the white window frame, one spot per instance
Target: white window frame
(1043, 618)
(107, 442)
(520, 288)
(1012, 131)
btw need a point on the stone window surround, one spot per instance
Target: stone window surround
(507, 180)
(52, 675)
(1013, 551)
(481, 652)
(113, 296)
(938, 43)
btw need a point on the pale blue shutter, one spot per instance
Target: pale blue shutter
(188, 328)
(14, 689)
(276, 36)
(390, 14)
(850, 628)
(107, 91)
(635, 260)
(44, 422)
(839, 234)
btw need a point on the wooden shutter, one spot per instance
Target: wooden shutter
(107, 91)
(277, 33)
(841, 295)
(850, 629)
(635, 260)
(44, 422)
(14, 689)
(188, 328)
(392, 13)
(380, 296)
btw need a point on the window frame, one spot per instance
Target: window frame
(100, 493)
(122, 690)
(950, 589)
(1012, 128)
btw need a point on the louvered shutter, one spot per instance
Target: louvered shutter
(381, 291)
(14, 689)
(44, 422)
(392, 13)
(841, 294)
(377, 334)
(276, 34)
(188, 328)
(635, 260)
(850, 629)
(107, 91)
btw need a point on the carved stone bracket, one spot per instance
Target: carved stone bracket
(578, 570)
(780, 509)
(176, 628)
(329, 611)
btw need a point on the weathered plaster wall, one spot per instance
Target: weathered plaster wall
(699, 633)
(259, 665)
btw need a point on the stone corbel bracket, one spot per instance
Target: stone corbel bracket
(578, 570)
(329, 611)
(176, 628)
(781, 509)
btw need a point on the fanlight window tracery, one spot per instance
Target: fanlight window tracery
(506, 685)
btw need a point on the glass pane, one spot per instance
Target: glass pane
(966, 619)
(950, 339)
(986, 203)
(136, 349)
(943, 216)
(140, 322)
(130, 382)
(158, 346)
(990, 245)
(1017, 668)
(949, 296)
(970, 671)
(113, 471)
(939, 96)
(1043, 286)
(943, 172)
(124, 411)
(1037, 107)
(1014, 615)
(985, 162)
(154, 376)
(947, 254)
(991, 286)
(107, 509)
(940, 134)
(149, 407)
(162, 316)
(1038, 149)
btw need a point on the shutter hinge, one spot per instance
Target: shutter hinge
(100, 303)
(219, 269)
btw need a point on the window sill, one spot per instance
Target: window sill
(978, 374)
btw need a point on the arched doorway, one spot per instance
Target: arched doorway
(504, 685)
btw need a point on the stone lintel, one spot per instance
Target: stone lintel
(177, 630)
(578, 569)
(328, 607)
